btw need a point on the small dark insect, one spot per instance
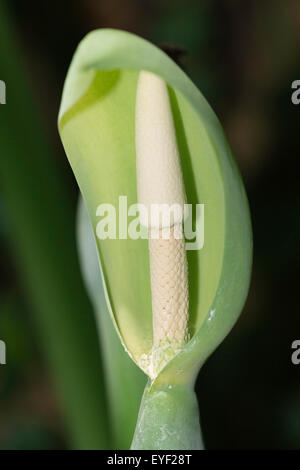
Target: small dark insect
(177, 53)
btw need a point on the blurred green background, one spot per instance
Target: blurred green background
(243, 56)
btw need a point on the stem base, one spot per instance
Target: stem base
(168, 419)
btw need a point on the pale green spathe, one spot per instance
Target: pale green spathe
(96, 123)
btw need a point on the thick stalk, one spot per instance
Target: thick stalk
(168, 419)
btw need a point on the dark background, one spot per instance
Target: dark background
(243, 56)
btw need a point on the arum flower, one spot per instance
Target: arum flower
(133, 124)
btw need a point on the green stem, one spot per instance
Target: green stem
(168, 419)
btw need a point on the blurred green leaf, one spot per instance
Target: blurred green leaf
(44, 249)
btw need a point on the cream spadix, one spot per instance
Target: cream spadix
(159, 176)
(160, 188)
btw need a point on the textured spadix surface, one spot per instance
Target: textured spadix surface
(160, 188)
(97, 127)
